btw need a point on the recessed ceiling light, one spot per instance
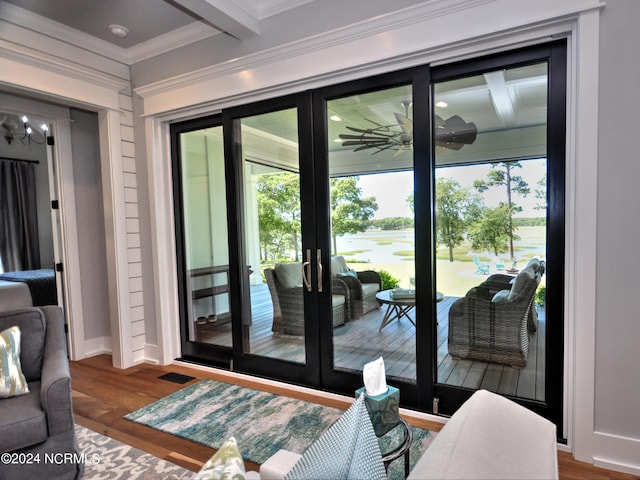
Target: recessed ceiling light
(335, 118)
(119, 31)
(442, 104)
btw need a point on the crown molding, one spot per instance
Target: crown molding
(180, 37)
(366, 28)
(194, 32)
(29, 20)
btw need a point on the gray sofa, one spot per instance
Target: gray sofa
(40, 423)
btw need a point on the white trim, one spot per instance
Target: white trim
(617, 452)
(163, 244)
(97, 346)
(581, 234)
(116, 237)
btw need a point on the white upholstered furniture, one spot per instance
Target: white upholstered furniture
(489, 437)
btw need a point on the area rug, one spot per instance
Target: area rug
(108, 459)
(209, 412)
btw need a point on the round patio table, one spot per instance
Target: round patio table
(398, 307)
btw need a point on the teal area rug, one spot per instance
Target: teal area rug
(209, 412)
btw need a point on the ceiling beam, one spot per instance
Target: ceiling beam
(502, 101)
(225, 15)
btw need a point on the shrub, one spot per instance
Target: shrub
(388, 280)
(541, 295)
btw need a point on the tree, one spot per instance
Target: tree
(349, 212)
(492, 230)
(279, 214)
(451, 204)
(501, 174)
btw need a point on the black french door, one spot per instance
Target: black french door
(399, 175)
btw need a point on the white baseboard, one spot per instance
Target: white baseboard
(97, 346)
(617, 452)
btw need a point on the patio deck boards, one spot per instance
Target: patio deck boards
(358, 342)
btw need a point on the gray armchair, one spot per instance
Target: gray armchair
(285, 286)
(363, 286)
(490, 323)
(40, 422)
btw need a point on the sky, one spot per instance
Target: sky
(392, 189)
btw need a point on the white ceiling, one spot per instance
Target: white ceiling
(154, 25)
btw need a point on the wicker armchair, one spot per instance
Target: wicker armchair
(363, 287)
(493, 327)
(287, 299)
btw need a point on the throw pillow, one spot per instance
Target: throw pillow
(349, 449)
(349, 273)
(289, 274)
(501, 297)
(225, 464)
(12, 381)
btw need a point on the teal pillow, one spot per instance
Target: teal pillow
(12, 381)
(501, 297)
(226, 464)
(349, 273)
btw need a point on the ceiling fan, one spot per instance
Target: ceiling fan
(452, 133)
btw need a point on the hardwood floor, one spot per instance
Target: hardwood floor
(102, 395)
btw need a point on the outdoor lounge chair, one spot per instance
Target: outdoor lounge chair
(285, 286)
(363, 286)
(481, 267)
(492, 327)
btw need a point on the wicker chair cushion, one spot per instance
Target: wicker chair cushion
(370, 289)
(526, 275)
(337, 300)
(289, 274)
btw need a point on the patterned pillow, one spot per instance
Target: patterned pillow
(349, 449)
(225, 464)
(12, 381)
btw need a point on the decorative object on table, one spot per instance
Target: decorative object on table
(402, 293)
(383, 406)
(382, 401)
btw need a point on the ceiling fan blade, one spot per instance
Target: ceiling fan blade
(353, 143)
(405, 123)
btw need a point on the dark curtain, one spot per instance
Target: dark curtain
(19, 244)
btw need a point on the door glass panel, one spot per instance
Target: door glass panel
(370, 148)
(206, 242)
(490, 223)
(273, 239)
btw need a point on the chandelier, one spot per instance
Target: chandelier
(14, 127)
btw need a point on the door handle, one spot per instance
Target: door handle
(306, 271)
(319, 259)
